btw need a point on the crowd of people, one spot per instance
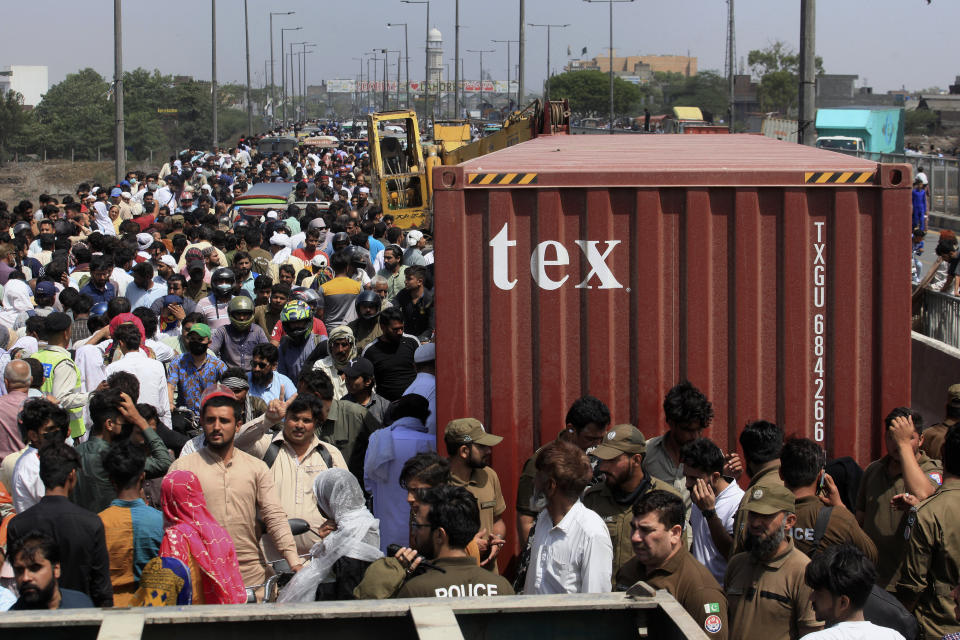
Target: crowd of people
(196, 402)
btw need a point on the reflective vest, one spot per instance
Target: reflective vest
(50, 360)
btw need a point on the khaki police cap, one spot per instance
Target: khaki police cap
(623, 438)
(769, 500)
(469, 431)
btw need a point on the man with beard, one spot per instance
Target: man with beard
(366, 328)
(238, 487)
(78, 532)
(242, 264)
(761, 442)
(36, 567)
(662, 560)
(765, 587)
(392, 355)
(265, 382)
(194, 371)
(469, 447)
(299, 342)
(342, 351)
(621, 458)
(443, 524)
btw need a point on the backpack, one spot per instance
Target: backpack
(274, 450)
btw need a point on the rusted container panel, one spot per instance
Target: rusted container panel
(771, 275)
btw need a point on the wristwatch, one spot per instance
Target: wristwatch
(709, 513)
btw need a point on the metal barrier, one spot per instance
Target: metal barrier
(939, 317)
(615, 616)
(943, 175)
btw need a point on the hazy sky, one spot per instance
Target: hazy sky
(889, 43)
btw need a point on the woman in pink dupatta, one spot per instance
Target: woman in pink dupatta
(194, 536)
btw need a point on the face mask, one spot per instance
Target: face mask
(223, 288)
(152, 186)
(197, 348)
(538, 501)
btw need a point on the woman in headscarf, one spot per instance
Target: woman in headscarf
(193, 536)
(17, 300)
(350, 542)
(343, 349)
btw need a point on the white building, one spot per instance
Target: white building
(435, 59)
(29, 81)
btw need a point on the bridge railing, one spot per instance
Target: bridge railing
(937, 316)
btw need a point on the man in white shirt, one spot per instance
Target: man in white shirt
(153, 378)
(715, 503)
(40, 421)
(842, 578)
(571, 550)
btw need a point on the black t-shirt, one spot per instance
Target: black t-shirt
(393, 366)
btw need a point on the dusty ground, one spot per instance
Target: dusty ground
(27, 180)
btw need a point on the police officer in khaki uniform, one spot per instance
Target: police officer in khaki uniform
(765, 587)
(621, 462)
(761, 442)
(931, 567)
(819, 525)
(934, 434)
(469, 447)
(443, 523)
(889, 487)
(662, 560)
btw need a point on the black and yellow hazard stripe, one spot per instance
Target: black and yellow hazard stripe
(838, 177)
(501, 178)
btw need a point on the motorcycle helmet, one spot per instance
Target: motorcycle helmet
(222, 280)
(367, 304)
(240, 306)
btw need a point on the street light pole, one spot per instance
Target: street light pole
(406, 57)
(304, 92)
(273, 84)
(119, 146)
(546, 86)
(283, 69)
(426, 58)
(508, 68)
(610, 53)
(456, 54)
(213, 61)
(246, 37)
(520, 52)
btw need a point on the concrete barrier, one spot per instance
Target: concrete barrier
(935, 366)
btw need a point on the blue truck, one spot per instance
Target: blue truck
(860, 130)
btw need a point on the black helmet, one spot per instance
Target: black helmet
(341, 238)
(222, 280)
(367, 298)
(22, 226)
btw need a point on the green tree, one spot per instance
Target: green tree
(778, 66)
(77, 114)
(589, 92)
(13, 120)
(706, 90)
(920, 121)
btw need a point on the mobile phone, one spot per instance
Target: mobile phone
(822, 484)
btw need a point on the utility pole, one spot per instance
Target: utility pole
(610, 52)
(426, 58)
(406, 57)
(273, 84)
(520, 53)
(808, 71)
(456, 54)
(246, 35)
(546, 83)
(283, 69)
(731, 56)
(213, 61)
(119, 146)
(508, 67)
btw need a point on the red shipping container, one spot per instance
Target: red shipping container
(771, 275)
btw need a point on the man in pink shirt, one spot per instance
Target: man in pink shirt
(17, 377)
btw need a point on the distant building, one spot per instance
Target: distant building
(435, 56)
(637, 69)
(30, 81)
(840, 90)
